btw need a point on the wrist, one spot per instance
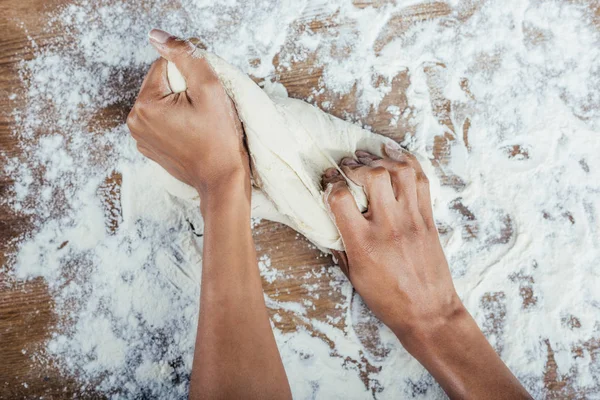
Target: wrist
(224, 182)
(426, 334)
(225, 191)
(459, 357)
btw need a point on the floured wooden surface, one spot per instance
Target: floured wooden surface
(306, 276)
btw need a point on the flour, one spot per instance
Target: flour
(510, 86)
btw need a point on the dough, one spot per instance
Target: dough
(291, 144)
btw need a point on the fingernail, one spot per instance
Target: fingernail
(331, 172)
(365, 160)
(393, 145)
(159, 36)
(395, 152)
(360, 153)
(350, 162)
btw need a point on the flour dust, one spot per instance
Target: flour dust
(501, 97)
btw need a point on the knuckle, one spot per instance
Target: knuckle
(411, 157)
(389, 164)
(394, 165)
(396, 236)
(415, 227)
(378, 173)
(414, 162)
(422, 178)
(182, 46)
(338, 196)
(404, 174)
(140, 109)
(131, 120)
(133, 125)
(144, 109)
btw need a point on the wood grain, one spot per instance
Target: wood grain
(26, 309)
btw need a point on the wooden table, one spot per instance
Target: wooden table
(26, 309)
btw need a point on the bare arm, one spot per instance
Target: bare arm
(462, 361)
(395, 261)
(236, 355)
(197, 137)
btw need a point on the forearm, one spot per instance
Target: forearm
(459, 357)
(236, 355)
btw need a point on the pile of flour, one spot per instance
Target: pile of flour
(511, 86)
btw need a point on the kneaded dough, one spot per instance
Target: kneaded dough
(291, 143)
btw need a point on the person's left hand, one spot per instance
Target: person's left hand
(195, 135)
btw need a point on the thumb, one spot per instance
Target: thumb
(177, 51)
(185, 55)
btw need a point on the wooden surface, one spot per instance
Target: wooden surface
(26, 309)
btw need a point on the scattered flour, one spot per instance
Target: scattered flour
(507, 89)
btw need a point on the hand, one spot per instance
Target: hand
(395, 261)
(195, 135)
(393, 256)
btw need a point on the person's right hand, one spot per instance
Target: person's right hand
(393, 255)
(395, 261)
(195, 135)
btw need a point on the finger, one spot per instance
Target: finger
(402, 176)
(185, 55)
(341, 259)
(198, 43)
(331, 175)
(155, 85)
(375, 181)
(397, 153)
(133, 122)
(365, 157)
(344, 211)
